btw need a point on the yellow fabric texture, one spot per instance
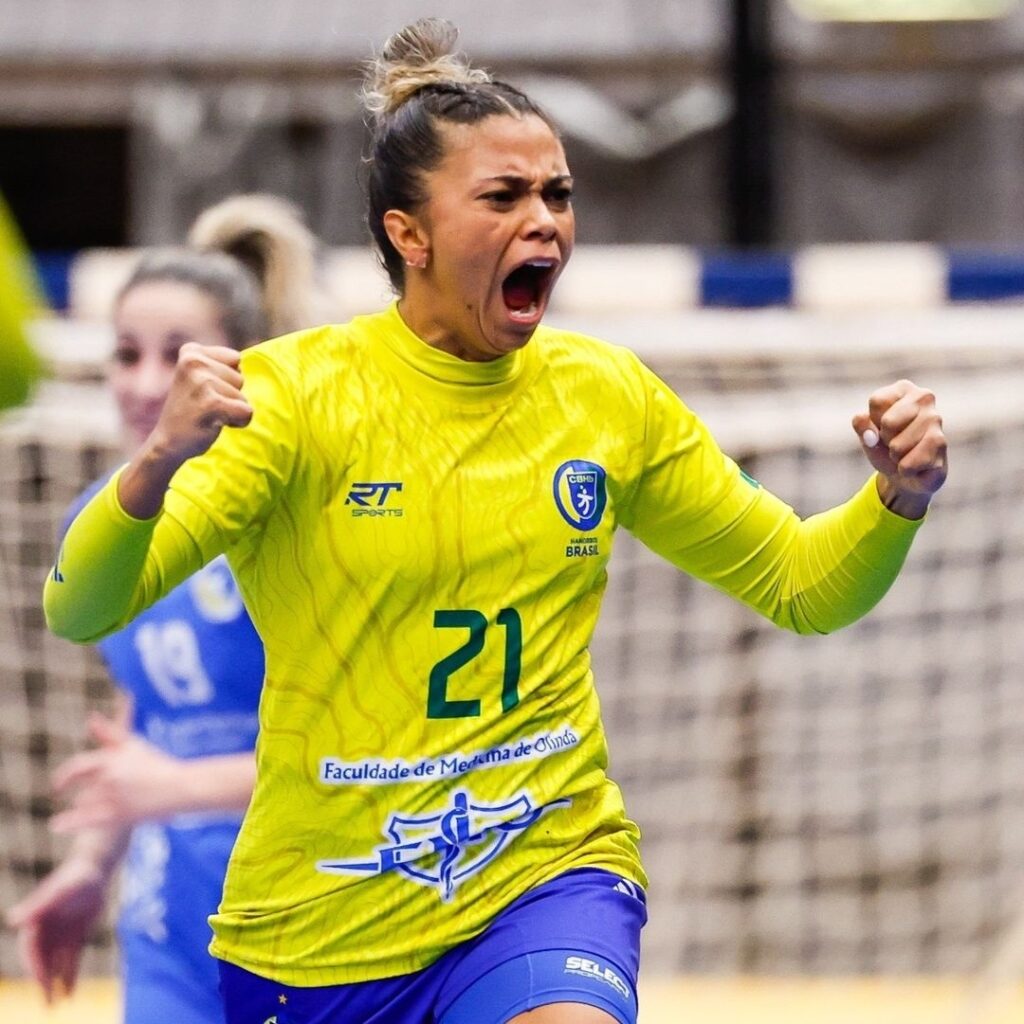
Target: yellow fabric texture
(19, 300)
(422, 545)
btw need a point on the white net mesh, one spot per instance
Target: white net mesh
(851, 803)
(48, 454)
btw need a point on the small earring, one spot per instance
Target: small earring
(420, 263)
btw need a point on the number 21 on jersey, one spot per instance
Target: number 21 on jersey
(508, 620)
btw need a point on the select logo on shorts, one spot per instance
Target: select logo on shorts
(580, 493)
(445, 848)
(587, 968)
(374, 498)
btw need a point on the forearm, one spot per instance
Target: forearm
(822, 573)
(846, 559)
(810, 576)
(219, 783)
(108, 569)
(98, 568)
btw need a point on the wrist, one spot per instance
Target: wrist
(145, 480)
(906, 504)
(99, 850)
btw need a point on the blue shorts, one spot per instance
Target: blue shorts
(156, 998)
(168, 981)
(575, 939)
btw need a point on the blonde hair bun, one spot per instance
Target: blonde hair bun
(268, 235)
(420, 55)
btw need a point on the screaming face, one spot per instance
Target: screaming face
(498, 227)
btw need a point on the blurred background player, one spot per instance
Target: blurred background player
(165, 787)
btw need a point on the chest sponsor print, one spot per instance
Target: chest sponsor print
(381, 771)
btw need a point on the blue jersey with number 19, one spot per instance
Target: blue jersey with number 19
(422, 544)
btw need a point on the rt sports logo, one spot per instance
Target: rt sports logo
(371, 498)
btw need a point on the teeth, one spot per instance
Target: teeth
(544, 264)
(526, 312)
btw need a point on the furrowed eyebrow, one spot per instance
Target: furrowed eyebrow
(515, 181)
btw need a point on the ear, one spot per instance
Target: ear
(408, 236)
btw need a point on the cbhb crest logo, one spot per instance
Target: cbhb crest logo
(580, 493)
(444, 849)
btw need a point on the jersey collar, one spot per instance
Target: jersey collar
(443, 366)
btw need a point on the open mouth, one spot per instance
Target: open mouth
(526, 288)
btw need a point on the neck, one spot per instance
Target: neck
(432, 324)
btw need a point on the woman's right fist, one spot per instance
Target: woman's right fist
(206, 395)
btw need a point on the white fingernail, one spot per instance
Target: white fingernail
(870, 438)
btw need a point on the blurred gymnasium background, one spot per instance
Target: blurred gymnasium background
(781, 205)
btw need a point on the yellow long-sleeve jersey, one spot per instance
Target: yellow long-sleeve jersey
(422, 543)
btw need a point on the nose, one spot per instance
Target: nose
(152, 380)
(539, 222)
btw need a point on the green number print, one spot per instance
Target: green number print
(438, 704)
(509, 618)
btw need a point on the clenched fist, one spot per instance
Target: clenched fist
(902, 437)
(205, 396)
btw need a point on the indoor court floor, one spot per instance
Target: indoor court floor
(672, 1001)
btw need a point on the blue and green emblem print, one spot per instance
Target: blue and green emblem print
(580, 493)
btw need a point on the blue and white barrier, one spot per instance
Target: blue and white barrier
(655, 278)
(826, 277)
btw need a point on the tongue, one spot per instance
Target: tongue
(518, 295)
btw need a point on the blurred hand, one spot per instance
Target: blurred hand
(125, 781)
(54, 921)
(910, 447)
